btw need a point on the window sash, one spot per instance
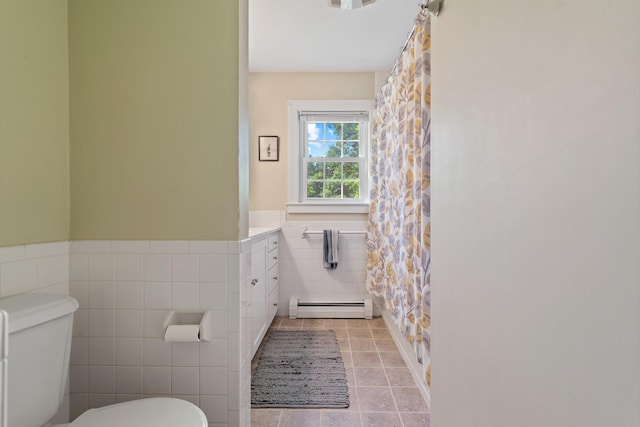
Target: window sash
(305, 178)
(333, 116)
(326, 110)
(362, 119)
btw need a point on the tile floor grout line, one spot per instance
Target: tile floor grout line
(356, 382)
(282, 421)
(391, 390)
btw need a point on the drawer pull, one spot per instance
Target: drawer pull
(275, 305)
(275, 258)
(275, 277)
(254, 282)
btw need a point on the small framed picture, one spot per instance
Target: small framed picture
(268, 148)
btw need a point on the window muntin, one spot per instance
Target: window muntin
(333, 160)
(328, 156)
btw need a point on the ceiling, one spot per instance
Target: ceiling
(310, 36)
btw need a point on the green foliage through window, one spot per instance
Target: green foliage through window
(330, 174)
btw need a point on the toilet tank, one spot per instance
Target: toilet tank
(39, 345)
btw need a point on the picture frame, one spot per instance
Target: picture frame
(268, 148)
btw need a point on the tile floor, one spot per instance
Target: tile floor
(382, 391)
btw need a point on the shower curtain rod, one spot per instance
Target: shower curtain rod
(433, 7)
(404, 47)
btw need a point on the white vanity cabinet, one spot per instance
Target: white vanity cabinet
(272, 278)
(264, 286)
(258, 293)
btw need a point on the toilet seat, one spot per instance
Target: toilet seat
(149, 412)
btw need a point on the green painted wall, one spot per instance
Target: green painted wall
(154, 119)
(34, 122)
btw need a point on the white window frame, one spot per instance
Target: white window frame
(296, 201)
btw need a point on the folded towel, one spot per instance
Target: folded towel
(330, 248)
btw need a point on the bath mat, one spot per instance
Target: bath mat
(300, 369)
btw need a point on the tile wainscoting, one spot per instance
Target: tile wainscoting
(302, 273)
(125, 289)
(38, 267)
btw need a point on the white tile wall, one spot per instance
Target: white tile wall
(42, 267)
(19, 276)
(125, 289)
(12, 253)
(300, 265)
(241, 343)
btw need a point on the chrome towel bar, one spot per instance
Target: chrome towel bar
(306, 232)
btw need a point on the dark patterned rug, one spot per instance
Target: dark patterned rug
(300, 369)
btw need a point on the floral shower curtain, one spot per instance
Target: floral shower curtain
(398, 233)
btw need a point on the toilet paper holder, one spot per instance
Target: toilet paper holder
(187, 326)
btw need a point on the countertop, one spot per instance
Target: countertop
(257, 232)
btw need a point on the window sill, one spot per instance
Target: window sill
(355, 208)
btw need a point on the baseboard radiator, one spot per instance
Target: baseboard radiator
(359, 309)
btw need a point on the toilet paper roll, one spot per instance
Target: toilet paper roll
(182, 333)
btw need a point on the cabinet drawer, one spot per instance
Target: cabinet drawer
(272, 305)
(272, 279)
(272, 258)
(272, 243)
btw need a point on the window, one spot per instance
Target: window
(328, 156)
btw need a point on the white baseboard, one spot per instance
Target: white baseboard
(406, 350)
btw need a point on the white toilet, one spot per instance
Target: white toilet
(39, 346)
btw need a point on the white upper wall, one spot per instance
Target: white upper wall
(310, 36)
(536, 214)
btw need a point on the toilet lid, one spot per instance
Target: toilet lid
(151, 412)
